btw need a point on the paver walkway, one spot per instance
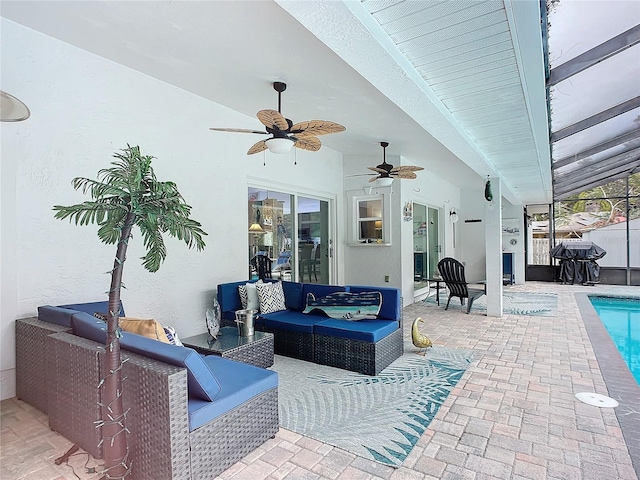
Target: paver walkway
(512, 416)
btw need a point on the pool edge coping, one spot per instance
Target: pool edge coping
(619, 380)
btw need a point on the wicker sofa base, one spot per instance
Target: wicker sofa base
(358, 356)
(156, 397)
(293, 344)
(31, 364)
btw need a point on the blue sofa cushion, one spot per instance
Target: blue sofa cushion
(293, 298)
(61, 315)
(57, 315)
(239, 383)
(290, 320)
(93, 307)
(391, 300)
(229, 299)
(200, 381)
(345, 305)
(366, 330)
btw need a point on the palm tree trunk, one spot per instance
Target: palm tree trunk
(114, 436)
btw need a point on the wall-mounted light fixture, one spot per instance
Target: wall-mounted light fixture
(453, 216)
(12, 109)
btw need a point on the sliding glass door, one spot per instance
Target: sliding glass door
(313, 240)
(293, 231)
(426, 244)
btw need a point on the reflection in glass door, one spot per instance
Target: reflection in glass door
(313, 241)
(426, 244)
(433, 244)
(270, 225)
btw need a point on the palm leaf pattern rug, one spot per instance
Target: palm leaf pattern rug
(376, 417)
(515, 303)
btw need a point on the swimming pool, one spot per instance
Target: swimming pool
(621, 317)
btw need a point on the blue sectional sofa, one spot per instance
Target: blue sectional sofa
(190, 416)
(365, 346)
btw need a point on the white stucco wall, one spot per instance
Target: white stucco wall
(370, 264)
(514, 215)
(84, 108)
(472, 234)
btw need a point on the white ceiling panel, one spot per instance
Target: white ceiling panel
(459, 77)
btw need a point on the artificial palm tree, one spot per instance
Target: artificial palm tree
(125, 195)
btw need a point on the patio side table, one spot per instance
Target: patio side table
(437, 282)
(255, 350)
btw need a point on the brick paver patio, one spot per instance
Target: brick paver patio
(512, 416)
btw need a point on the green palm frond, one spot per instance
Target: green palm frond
(154, 244)
(130, 185)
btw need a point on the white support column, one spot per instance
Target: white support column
(493, 249)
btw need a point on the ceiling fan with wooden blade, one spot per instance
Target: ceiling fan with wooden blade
(284, 133)
(386, 170)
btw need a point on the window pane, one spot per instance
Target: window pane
(371, 229)
(370, 208)
(270, 226)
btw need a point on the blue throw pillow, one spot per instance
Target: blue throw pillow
(346, 306)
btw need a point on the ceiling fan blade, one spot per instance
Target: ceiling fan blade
(316, 127)
(273, 119)
(238, 130)
(359, 175)
(406, 168)
(373, 179)
(308, 143)
(376, 169)
(258, 147)
(408, 175)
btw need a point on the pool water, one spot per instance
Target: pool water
(621, 318)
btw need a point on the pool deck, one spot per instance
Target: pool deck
(513, 415)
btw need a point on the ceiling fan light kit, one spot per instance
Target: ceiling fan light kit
(384, 181)
(284, 133)
(279, 145)
(387, 172)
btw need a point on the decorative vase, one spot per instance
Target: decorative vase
(213, 317)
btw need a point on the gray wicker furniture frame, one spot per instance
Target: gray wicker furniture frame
(293, 344)
(155, 393)
(31, 365)
(256, 350)
(355, 355)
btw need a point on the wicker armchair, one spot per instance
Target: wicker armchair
(161, 445)
(59, 373)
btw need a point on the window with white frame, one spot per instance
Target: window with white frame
(370, 220)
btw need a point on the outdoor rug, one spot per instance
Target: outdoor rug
(515, 303)
(376, 417)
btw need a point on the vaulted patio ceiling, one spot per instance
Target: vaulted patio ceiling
(594, 86)
(469, 72)
(439, 80)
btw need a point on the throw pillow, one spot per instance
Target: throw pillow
(346, 306)
(172, 336)
(149, 328)
(249, 296)
(271, 297)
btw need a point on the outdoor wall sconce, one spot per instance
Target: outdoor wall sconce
(12, 109)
